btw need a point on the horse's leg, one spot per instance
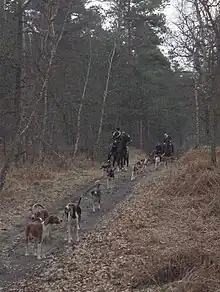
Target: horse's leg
(127, 159)
(118, 162)
(115, 159)
(121, 160)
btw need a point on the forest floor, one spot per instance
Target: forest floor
(159, 233)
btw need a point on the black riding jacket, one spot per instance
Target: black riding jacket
(167, 140)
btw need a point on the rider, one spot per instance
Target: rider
(116, 134)
(167, 139)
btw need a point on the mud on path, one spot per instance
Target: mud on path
(14, 266)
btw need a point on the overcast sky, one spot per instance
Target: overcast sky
(169, 11)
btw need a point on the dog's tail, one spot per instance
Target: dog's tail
(36, 205)
(80, 198)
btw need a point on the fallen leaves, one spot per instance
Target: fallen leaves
(165, 238)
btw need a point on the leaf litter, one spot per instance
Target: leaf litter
(164, 238)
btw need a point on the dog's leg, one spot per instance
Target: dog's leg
(39, 250)
(79, 220)
(132, 175)
(145, 163)
(50, 235)
(156, 164)
(93, 204)
(69, 232)
(26, 246)
(77, 228)
(43, 249)
(35, 247)
(66, 236)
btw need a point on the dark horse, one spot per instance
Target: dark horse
(126, 157)
(168, 149)
(113, 152)
(122, 149)
(119, 151)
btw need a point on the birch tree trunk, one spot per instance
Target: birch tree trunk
(82, 100)
(108, 77)
(197, 113)
(51, 34)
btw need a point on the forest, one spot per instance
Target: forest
(71, 72)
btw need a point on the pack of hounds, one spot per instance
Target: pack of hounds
(40, 225)
(41, 221)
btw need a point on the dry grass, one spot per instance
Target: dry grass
(47, 183)
(166, 238)
(42, 183)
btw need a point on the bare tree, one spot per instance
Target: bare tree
(111, 58)
(52, 10)
(83, 98)
(197, 43)
(22, 130)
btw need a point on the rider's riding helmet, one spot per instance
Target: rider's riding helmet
(116, 134)
(165, 135)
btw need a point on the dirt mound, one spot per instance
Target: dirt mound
(165, 238)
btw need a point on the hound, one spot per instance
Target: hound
(105, 166)
(138, 167)
(110, 177)
(39, 230)
(96, 196)
(72, 213)
(157, 159)
(43, 213)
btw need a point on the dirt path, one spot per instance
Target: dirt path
(14, 266)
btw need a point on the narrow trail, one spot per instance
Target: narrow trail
(14, 266)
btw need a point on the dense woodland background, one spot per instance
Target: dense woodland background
(59, 61)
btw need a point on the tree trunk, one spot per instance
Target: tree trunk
(82, 101)
(17, 97)
(42, 144)
(129, 32)
(212, 133)
(106, 92)
(141, 134)
(197, 113)
(51, 34)
(108, 76)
